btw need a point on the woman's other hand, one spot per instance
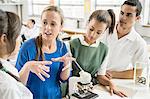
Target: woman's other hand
(67, 59)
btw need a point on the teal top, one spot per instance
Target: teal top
(89, 58)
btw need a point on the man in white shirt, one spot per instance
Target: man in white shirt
(126, 46)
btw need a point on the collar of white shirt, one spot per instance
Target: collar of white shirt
(9, 67)
(130, 36)
(83, 42)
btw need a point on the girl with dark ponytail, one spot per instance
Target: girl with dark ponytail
(10, 85)
(90, 52)
(112, 25)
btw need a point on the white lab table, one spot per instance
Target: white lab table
(132, 91)
(126, 85)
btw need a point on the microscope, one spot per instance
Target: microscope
(81, 87)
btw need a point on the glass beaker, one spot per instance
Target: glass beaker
(141, 74)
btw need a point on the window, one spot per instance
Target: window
(72, 8)
(146, 12)
(110, 4)
(38, 6)
(115, 5)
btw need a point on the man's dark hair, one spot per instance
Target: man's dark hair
(136, 3)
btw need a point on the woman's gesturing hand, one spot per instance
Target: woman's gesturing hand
(39, 68)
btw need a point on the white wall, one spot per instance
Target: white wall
(143, 31)
(26, 9)
(16, 8)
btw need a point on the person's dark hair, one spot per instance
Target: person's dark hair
(106, 16)
(10, 25)
(32, 20)
(39, 38)
(136, 3)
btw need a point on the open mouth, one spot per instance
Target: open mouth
(48, 33)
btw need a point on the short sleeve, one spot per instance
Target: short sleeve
(8, 87)
(24, 54)
(141, 54)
